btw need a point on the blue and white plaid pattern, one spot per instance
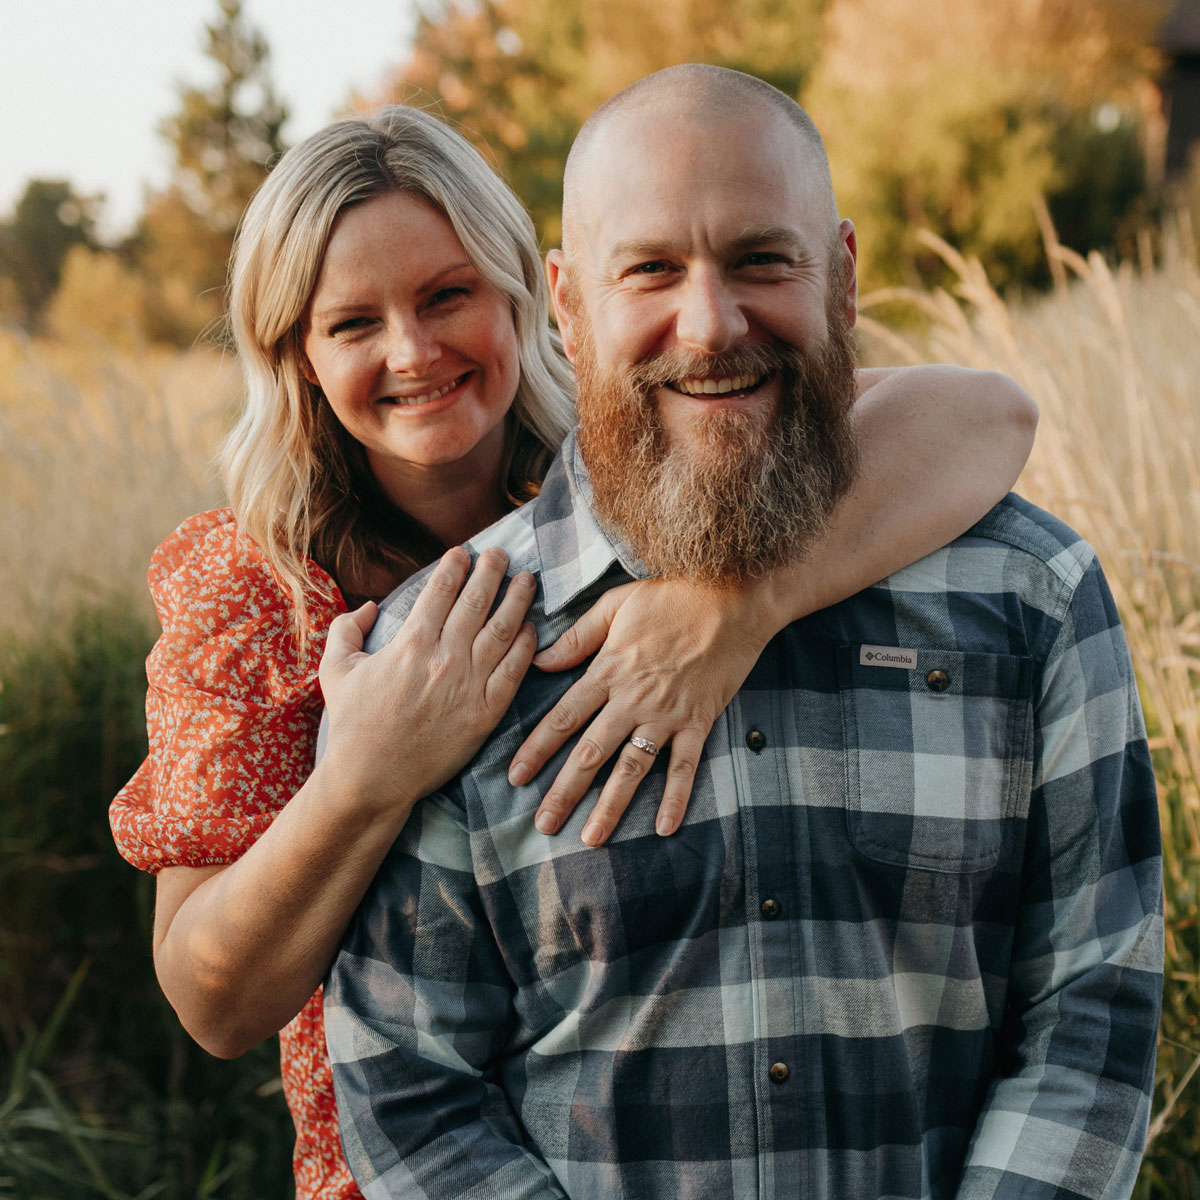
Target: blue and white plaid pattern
(907, 943)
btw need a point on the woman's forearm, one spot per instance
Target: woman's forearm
(239, 949)
(939, 446)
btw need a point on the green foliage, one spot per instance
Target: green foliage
(101, 1091)
(967, 133)
(520, 76)
(225, 137)
(48, 221)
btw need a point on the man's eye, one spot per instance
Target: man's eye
(650, 268)
(763, 258)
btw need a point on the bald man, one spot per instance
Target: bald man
(908, 940)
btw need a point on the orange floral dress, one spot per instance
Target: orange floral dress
(232, 712)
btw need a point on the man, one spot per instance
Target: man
(908, 939)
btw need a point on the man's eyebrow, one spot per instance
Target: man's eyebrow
(644, 248)
(769, 235)
(785, 236)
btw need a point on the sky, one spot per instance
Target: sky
(84, 84)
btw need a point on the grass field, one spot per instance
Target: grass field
(101, 455)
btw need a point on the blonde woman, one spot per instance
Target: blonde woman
(403, 390)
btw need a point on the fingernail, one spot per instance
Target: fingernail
(519, 773)
(664, 827)
(543, 658)
(545, 822)
(593, 834)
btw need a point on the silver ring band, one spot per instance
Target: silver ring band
(644, 744)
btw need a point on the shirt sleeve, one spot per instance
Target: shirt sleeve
(1068, 1113)
(416, 1012)
(232, 704)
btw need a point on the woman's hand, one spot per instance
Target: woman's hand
(240, 948)
(405, 720)
(671, 657)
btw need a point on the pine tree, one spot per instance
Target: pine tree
(225, 137)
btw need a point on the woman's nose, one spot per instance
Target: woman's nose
(411, 348)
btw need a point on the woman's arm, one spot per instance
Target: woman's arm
(939, 446)
(240, 948)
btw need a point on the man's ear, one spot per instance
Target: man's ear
(560, 295)
(848, 248)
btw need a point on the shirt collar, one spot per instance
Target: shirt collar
(574, 551)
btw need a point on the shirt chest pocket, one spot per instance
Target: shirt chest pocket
(938, 754)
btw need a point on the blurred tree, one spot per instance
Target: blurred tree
(49, 219)
(225, 137)
(520, 76)
(101, 298)
(956, 115)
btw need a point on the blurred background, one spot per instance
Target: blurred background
(1025, 179)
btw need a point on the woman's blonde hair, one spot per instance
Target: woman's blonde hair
(299, 484)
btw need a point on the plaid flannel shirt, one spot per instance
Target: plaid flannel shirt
(907, 943)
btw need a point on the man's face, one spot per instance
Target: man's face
(697, 237)
(707, 309)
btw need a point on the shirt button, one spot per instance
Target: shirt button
(771, 909)
(938, 680)
(756, 740)
(779, 1073)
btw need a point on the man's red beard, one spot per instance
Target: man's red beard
(750, 491)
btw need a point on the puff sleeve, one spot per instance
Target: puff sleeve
(232, 706)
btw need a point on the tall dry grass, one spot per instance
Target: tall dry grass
(1112, 356)
(101, 455)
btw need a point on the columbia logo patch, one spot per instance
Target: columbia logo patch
(887, 656)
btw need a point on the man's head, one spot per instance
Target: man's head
(705, 292)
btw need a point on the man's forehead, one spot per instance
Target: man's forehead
(650, 183)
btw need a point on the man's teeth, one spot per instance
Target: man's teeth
(427, 397)
(716, 387)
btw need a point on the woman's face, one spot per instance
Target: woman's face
(415, 351)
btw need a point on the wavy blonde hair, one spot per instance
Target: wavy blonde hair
(298, 483)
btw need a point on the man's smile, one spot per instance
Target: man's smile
(715, 386)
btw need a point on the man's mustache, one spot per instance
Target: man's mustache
(753, 359)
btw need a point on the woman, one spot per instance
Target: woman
(404, 389)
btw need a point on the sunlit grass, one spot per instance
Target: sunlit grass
(1113, 358)
(101, 455)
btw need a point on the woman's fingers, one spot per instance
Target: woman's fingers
(344, 644)
(587, 635)
(501, 687)
(574, 708)
(603, 738)
(470, 611)
(686, 747)
(440, 591)
(631, 766)
(496, 638)
(635, 759)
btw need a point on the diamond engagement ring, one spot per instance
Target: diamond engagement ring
(643, 744)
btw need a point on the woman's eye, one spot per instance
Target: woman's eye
(442, 295)
(348, 325)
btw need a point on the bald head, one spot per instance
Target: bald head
(695, 94)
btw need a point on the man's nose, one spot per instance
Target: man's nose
(709, 319)
(411, 347)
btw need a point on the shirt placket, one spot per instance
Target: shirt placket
(769, 820)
